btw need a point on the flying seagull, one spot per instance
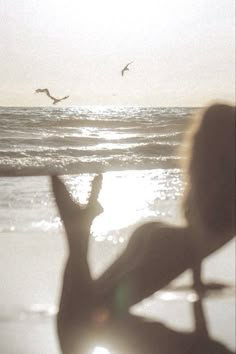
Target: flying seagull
(55, 100)
(126, 68)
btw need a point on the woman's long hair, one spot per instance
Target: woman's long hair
(209, 202)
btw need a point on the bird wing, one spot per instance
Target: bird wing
(45, 91)
(49, 95)
(64, 98)
(125, 68)
(42, 90)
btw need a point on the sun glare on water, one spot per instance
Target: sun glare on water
(125, 198)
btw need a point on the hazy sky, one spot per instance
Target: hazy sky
(183, 51)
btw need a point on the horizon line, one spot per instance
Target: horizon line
(99, 105)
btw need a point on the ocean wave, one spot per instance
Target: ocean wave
(84, 138)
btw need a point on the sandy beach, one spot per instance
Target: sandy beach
(30, 283)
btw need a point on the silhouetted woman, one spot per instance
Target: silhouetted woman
(91, 310)
(157, 253)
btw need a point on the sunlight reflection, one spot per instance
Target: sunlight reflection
(125, 199)
(101, 350)
(116, 135)
(129, 197)
(179, 296)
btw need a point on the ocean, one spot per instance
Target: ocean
(137, 150)
(134, 148)
(76, 140)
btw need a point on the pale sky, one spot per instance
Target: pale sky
(183, 51)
